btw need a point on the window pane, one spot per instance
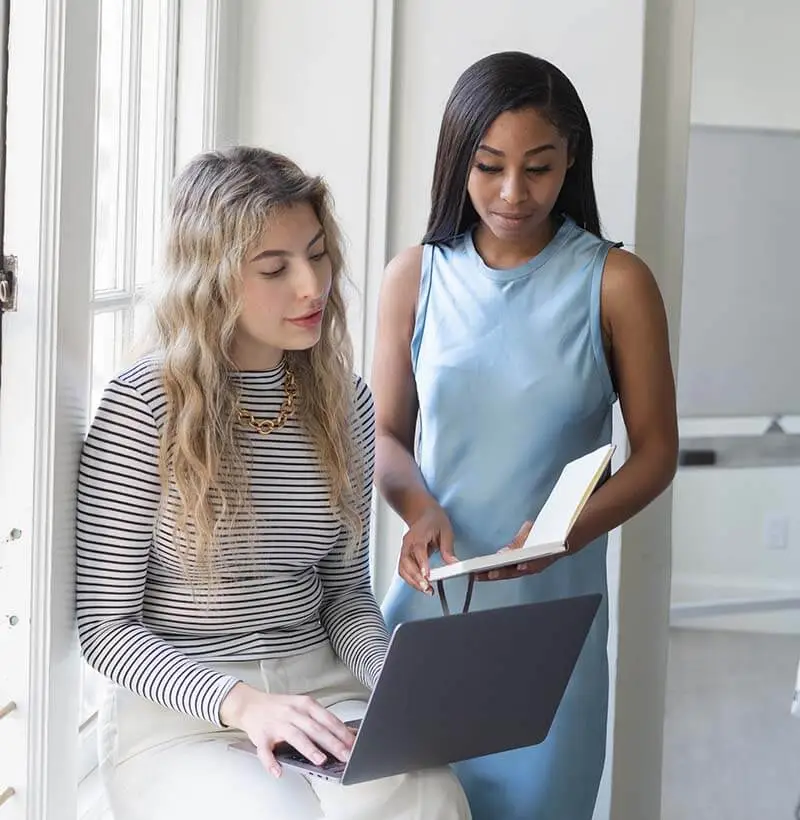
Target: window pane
(109, 188)
(107, 346)
(149, 184)
(142, 314)
(91, 683)
(135, 135)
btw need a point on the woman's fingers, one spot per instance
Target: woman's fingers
(322, 738)
(517, 570)
(446, 546)
(519, 539)
(268, 760)
(297, 738)
(323, 727)
(413, 566)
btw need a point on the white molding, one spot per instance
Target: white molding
(376, 252)
(211, 73)
(30, 25)
(207, 108)
(378, 169)
(128, 157)
(53, 67)
(169, 48)
(699, 596)
(62, 371)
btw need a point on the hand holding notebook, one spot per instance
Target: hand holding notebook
(552, 526)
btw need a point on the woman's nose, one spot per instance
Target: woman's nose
(514, 189)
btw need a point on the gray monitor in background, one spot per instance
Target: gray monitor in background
(740, 317)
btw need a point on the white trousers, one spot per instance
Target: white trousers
(157, 764)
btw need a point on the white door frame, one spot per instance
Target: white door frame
(52, 108)
(51, 124)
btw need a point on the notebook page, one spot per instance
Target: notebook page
(574, 486)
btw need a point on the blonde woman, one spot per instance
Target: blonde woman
(223, 520)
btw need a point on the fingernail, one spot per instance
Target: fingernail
(493, 575)
(522, 567)
(275, 771)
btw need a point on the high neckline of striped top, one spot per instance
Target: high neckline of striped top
(263, 378)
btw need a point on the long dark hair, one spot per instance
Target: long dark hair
(508, 81)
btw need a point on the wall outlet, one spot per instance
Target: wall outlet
(776, 531)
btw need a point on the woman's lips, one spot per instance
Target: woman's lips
(310, 320)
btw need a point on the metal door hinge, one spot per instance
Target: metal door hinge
(8, 284)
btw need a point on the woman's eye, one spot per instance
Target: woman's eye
(541, 169)
(488, 169)
(315, 257)
(272, 274)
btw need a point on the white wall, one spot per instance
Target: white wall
(720, 522)
(746, 73)
(747, 63)
(644, 573)
(305, 89)
(359, 96)
(436, 41)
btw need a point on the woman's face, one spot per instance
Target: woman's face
(286, 279)
(517, 174)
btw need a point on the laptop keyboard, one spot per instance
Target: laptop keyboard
(331, 765)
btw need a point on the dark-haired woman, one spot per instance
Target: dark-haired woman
(503, 341)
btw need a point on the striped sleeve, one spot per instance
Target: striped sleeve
(118, 496)
(349, 612)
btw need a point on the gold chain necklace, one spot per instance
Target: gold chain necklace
(266, 426)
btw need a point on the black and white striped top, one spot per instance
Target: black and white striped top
(290, 590)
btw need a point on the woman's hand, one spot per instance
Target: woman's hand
(431, 531)
(294, 719)
(517, 571)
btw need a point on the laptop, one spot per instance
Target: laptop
(461, 686)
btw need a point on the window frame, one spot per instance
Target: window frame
(53, 51)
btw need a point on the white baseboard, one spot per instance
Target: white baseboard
(709, 602)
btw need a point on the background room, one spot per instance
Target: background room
(106, 100)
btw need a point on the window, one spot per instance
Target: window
(102, 98)
(134, 161)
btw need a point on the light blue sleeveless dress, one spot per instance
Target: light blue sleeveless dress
(513, 383)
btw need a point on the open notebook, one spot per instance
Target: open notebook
(553, 524)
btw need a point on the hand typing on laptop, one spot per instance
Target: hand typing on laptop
(300, 721)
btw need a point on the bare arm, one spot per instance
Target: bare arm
(637, 341)
(635, 326)
(397, 475)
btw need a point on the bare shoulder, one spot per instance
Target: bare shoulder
(400, 287)
(630, 296)
(626, 276)
(404, 270)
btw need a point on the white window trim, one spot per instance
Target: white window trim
(43, 405)
(49, 229)
(87, 749)
(206, 32)
(207, 110)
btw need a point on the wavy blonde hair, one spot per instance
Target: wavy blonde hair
(220, 204)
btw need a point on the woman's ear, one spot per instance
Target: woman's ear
(571, 151)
